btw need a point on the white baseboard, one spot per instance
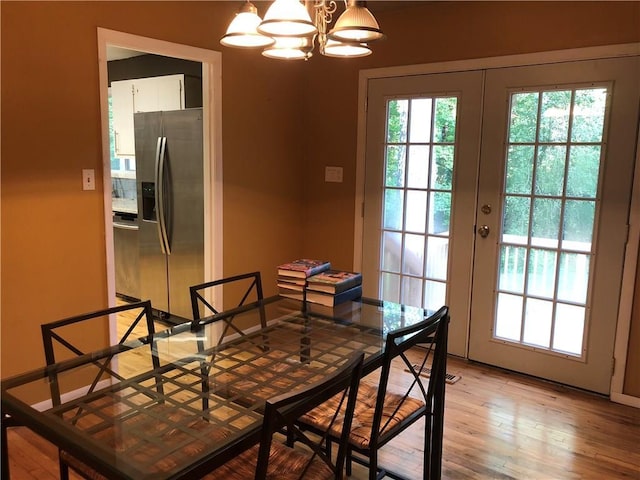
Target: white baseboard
(625, 399)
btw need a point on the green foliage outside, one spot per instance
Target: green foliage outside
(443, 119)
(539, 179)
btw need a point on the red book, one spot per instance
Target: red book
(303, 268)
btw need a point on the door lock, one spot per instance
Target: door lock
(484, 231)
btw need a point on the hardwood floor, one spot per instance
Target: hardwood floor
(498, 425)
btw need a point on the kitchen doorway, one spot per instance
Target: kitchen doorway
(123, 44)
(448, 168)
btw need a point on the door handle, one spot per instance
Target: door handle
(484, 231)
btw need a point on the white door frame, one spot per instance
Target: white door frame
(212, 143)
(589, 53)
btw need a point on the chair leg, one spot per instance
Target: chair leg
(64, 468)
(373, 464)
(426, 457)
(327, 447)
(5, 449)
(349, 461)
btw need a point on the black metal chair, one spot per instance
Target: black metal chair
(6, 422)
(59, 337)
(246, 288)
(274, 460)
(383, 412)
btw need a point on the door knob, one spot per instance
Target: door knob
(484, 231)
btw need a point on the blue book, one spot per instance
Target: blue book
(330, 300)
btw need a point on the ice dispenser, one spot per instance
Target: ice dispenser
(149, 202)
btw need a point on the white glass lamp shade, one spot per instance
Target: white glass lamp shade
(334, 48)
(242, 31)
(287, 18)
(289, 48)
(356, 24)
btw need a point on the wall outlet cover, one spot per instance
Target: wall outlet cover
(333, 174)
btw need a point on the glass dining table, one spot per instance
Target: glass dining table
(183, 401)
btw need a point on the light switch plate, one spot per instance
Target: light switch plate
(333, 174)
(88, 179)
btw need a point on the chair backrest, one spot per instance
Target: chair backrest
(248, 285)
(431, 335)
(284, 410)
(135, 321)
(245, 289)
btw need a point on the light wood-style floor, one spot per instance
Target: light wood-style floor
(498, 425)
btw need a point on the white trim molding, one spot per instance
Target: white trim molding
(212, 141)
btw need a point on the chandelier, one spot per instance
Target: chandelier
(291, 29)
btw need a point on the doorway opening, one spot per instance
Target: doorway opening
(122, 49)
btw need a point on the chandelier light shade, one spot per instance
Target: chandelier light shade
(356, 24)
(242, 31)
(292, 28)
(287, 18)
(337, 49)
(289, 48)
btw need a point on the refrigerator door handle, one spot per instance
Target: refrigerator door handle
(157, 194)
(160, 190)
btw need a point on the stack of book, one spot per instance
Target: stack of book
(292, 276)
(333, 287)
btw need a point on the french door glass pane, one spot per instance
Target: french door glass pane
(573, 277)
(434, 295)
(588, 115)
(569, 328)
(541, 273)
(437, 256)
(413, 258)
(416, 211)
(394, 172)
(537, 322)
(393, 206)
(577, 231)
(519, 169)
(552, 170)
(524, 117)
(515, 226)
(508, 315)
(419, 163)
(440, 213)
(546, 222)
(584, 167)
(397, 113)
(391, 251)
(512, 262)
(418, 174)
(420, 129)
(554, 116)
(390, 287)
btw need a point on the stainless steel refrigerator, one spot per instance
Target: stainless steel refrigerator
(169, 176)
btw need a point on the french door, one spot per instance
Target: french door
(504, 194)
(420, 191)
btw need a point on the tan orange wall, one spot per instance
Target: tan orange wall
(53, 243)
(282, 123)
